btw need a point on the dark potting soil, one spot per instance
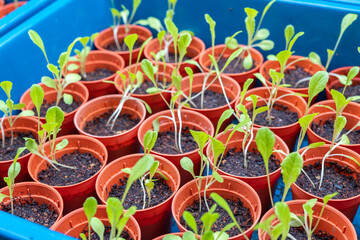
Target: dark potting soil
(326, 131)
(166, 142)
(172, 58)
(65, 107)
(86, 166)
(233, 67)
(112, 46)
(97, 74)
(337, 178)
(33, 211)
(148, 84)
(242, 215)
(350, 91)
(233, 163)
(98, 125)
(280, 116)
(211, 100)
(135, 196)
(292, 76)
(9, 152)
(125, 235)
(300, 234)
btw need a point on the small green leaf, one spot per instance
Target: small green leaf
(72, 78)
(14, 170)
(188, 165)
(36, 39)
(328, 197)
(224, 116)
(231, 43)
(55, 115)
(292, 42)
(26, 113)
(68, 98)
(2, 197)
(347, 21)
(291, 169)
(217, 148)
(37, 96)
(248, 62)
(265, 142)
(289, 33)
(54, 69)
(315, 58)
(140, 168)
(6, 86)
(190, 220)
(200, 138)
(306, 120)
(130, 41)
(98, 227)
(148, 69)
(266, 45)
(272, 57)
(61, 145)
(49, 82)
(262, 34)
(315, 145)
(317, 84)
(217, 177)
(339, 125)
(90, 207)
(283, 57)
(31, 145)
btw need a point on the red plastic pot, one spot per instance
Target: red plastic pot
(76, 222)
(351, 108)
(334, 82)
(155, 100)
(79, 93)
(241, 78)
(196, 47)
(332, 221)
(106, 37)
(352, 120)
(2, 2)
(347, 206)
(153, 221)
(73, 195)
(22, 124)
(41, 193)
(231, 188)
(294, 103)
(259, 184)
(98, 59)
(120, 144)
(190, 119)
(231, 87)
(8, 8)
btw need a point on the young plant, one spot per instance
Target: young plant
(347, 80)
(37, 97)
(7, 108)
(57, 82)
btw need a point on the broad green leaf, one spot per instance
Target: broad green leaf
(231, 43)
(148, 69)
(36, 39)
(54, 69)
(347, 21)
(265, 142)
(354, 71)
(130, 40)
(68, 98)
(250, 21)
(315, 58)
(184, 42)
(344, 140)
(282, 211)
(37, 96)
(266, 45)
(14, 170)
(98, 227)
(173, 237)
(283, 57)
(212, 24)
(317, 84)
(289, 33)
(31, 145)
(62, 59)
(49, 82)
(188, 165)
(217, 148)
(49, 127)
(271, 57)
(339, 125)
(315, 145)
(72, 78)
(140, 168)
(55, 115)
(26, 113)
(328, 197)
(90, 207)
(208, 220)
(114, 210)
(61, 145)
(172, 29)
(190, 220)
(6, 86)
(248, 62)
(200, 138)
(262, 34)
(217, 177)
(306, 120)
(3, 107)
(291, 169)
(339, 99)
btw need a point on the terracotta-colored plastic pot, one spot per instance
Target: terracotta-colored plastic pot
(8, 8)
(231, 87)
(294, 103)
(101, 59)
(106, 37)
(334, 82)
(76, 222)
(241, 78)
(22, 125)
(332, 221)
(155, 100)
(190, 119)
(347, 206)
(120, 144)
(231, 188)
(73, 195)
(2, 2)
(41, 193)
(196, 47)
(259, 184)
(306, 64)
(351, 108)
(153, 221)
(322, 117)
(79, 93)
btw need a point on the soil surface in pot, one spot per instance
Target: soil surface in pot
(98, 126)
(280, 116)
(233, 163)
(165, 142)
(125, 235)
(300, 234)
(86, 166)
(65, 107)
(211, 100)
(234, 66)
(33, 211)
(9, 152)
(112, 46)
(171, 58)
(242, 215)
(135, 196)
(292, 76)
(97, 74)
(337, 178)
(326, 131)
(148, 84)
(350, 91)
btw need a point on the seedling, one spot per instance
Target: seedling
(37, 97)
(57, 82)
(7, 108)
(117, 215)
(347, 81)
(13, 171)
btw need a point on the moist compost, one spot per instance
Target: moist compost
(135, 196)
(165, 142)
(292, 76)
(300, 234)
(233, 163)
(149, 84)
(98, 125)
(125, 234)
(326, 131)
(337, 178)
(64, 107)
(33, 211)
(112, 46)
(280, 116)
(171, 58)
(9, 152)
(242, 215)
(350, 91)
(86, 166)
(233, 66)
(97, 74)
(211, 100)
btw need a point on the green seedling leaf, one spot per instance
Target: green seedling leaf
(212, 24)
(68, 99)
(26, 113)
(231, 43)
(217, 148)
(234, 55)
(289, 33)
(315, 145)
(208, 220)
(265, 142)
(172, 29)
(53, 69)
(114, 210)
(317, 84)
(140, 168)
(49, 82)
(283, 57)
(98, 227)
(328, 197)
(315, 58)
(347, 21)
(248, 62)
(262, 34)
(130, 41)
(55, 115)
(266, 45)
(271, 57)
(148, 69)
(2, 197)
(173, 237)
(72, 67)
(61, 145)
(224, 116)
(13, 171)
(250, 21)
(200, 138)
(306, 120)
(149, 140)
(354, 71)
(217, 177)
(292, 42)
(72, 78)
(339, 125)
(6, 86)
(291, 169)
(282, 211)
(184, 42)
(187, 164)
(339, 99)
(90, 207)
(36, 39)
(190, 220)
(153, 169)
(344, 140)
(31, 145)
